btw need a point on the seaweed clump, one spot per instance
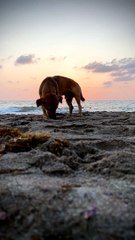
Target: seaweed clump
(13, 140)
(11, 132)
(57, 146)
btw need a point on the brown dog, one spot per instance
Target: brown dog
(51, 91)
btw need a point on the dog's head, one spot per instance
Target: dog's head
(50, 103)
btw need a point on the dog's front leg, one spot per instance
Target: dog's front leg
(45, 114)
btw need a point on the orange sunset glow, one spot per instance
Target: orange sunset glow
(91, 42)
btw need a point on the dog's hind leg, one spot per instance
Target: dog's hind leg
(69, 97)
(70, 107)
(79, 104)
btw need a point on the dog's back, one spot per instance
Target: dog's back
(66, 84)
(48, 85)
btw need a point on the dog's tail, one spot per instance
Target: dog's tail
(82, 98)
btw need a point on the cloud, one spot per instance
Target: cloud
(6, 59)
(120, 70)
(100, 67)
(26, 59)
(58, 59)
(0, 66)
(12, 82)
(52, 58)
(108, 84)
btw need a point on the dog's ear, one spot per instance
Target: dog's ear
(39, 102)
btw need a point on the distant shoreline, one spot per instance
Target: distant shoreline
(29, 107)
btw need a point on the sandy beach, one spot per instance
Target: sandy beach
(69, 178)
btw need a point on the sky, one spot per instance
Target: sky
(90, 41)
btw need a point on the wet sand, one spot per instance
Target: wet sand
(70, 178)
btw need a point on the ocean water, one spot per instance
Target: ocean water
(29, 107)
